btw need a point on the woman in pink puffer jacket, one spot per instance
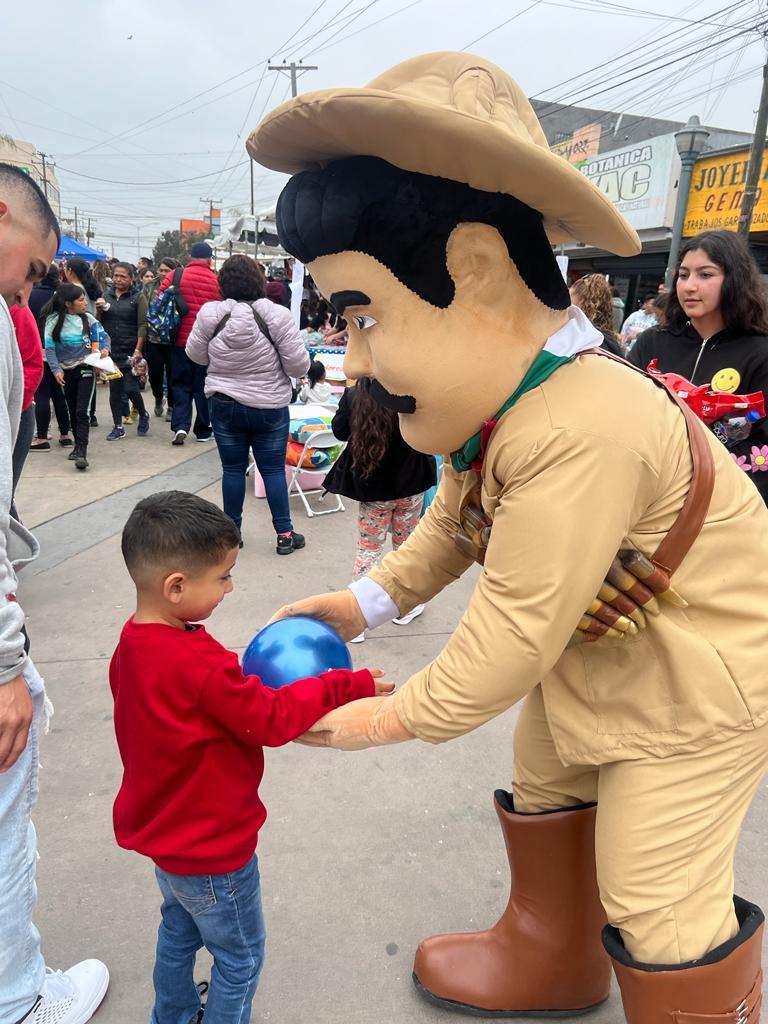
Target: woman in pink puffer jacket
(248, 387)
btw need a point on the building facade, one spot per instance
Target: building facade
(35, 164)
(634, 161)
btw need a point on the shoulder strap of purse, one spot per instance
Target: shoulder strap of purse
(260, 323)
(690, 519)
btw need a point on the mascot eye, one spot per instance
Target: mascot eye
(363, 322)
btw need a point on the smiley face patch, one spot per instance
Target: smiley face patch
(726, 381)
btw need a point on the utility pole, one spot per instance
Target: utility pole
(293, 70)
(210, 211)
(45, 175)
(89, 234)
(749, 198)
(76, 238)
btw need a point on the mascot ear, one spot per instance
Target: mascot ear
(479, 264)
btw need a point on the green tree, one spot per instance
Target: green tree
(176, 244)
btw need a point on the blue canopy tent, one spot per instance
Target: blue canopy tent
(69, 247)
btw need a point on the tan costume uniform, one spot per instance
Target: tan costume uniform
(639, 756)
(596, 457)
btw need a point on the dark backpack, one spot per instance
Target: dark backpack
(166, 312)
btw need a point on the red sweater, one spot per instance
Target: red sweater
(28, 338)
(190, 728)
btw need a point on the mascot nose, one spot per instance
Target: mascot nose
(357, 359)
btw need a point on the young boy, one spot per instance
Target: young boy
(190, 728)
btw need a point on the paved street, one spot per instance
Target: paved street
(362, 855)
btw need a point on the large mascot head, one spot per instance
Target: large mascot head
(425, 206)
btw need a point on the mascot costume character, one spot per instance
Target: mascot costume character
(425, 206)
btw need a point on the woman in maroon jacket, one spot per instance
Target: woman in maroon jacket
(199, 285)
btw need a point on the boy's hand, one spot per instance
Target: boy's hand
(369, 722)
(382, 687)
(338, 608)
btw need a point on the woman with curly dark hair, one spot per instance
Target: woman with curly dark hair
(380, 471)
(716, 333)
(252, 348)
(592, 294)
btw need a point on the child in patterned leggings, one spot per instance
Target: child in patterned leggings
(378, 469)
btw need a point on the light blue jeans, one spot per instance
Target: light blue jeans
(222, 913)
(22, 968)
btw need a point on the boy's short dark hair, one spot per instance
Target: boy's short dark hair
(12, 177)
(176, 530)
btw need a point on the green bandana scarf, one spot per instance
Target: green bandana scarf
(543, 366)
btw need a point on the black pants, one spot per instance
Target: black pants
(79, 386)
(188, 381)
(21, 450)
(121, 390)
(50, 391)
(159, 369)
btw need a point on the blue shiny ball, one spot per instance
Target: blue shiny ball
(292, 649)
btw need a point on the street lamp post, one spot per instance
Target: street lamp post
(690, 141)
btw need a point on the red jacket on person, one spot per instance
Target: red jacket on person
(191, 727)
(28, 340)
(199, 285)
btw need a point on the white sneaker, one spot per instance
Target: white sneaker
(358, 639)
(70, 997)
(405, 619)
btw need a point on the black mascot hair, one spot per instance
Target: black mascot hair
(404, 220)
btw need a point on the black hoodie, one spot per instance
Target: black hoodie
(684, 351)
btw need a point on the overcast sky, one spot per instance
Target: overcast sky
(79, 80)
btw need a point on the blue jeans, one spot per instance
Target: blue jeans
(239, 429)
(187, 384)
(222, 913)
(22, 968)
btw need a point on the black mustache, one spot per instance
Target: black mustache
(397, 403)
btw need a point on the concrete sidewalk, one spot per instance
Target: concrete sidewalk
(363, 854)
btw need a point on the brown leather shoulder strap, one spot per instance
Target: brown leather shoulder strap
(690, 519)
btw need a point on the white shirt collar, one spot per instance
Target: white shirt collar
(575, 336)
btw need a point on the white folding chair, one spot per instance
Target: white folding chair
(318, 439)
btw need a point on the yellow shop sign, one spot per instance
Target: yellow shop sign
(717, 188)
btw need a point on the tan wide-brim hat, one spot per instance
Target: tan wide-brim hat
(449, 115)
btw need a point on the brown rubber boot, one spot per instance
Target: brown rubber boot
(723, 987)
(544, 956)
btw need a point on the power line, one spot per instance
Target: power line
(501, 25)
(364, 28)
(634, 50)
(178, 181)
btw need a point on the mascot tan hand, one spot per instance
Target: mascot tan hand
(562, 461)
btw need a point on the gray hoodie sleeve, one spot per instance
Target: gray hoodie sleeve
(13, 538)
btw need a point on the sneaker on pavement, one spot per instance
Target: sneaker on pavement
(358, 639)
(168, 415)
(405, 619)
(94, 421)
(158, 408)
(70, 997)
(143, 427)
(206, 437)
(81, 460)
(179, 437)
(116, 433)
(72, 455)
(288, 542)
(131, 418)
